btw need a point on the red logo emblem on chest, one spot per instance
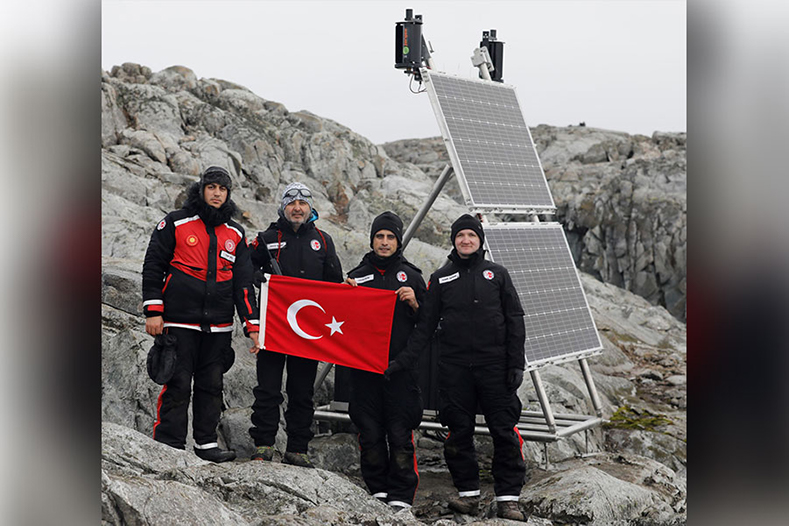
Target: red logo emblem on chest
(161, 225)
(191, 240)
(229, 245)
(488, 274)
(315, 244)
(402, 276)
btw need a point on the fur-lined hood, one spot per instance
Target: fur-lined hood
(195, 204)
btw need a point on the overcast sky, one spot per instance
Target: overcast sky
(617, 65)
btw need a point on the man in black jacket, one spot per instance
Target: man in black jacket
(481, 362)
(388, 411)
(301, 251)
(196, 268)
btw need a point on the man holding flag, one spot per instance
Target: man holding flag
(481, 362)
(387, 411)
(301, 251)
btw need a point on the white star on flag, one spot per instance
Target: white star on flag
(335, 326)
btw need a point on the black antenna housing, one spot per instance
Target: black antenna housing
(408, 43)
(496, 52)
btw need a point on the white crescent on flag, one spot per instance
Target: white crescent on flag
(293, 310)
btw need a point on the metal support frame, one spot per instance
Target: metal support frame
(323, 372)
(540, 426)
(431, 198)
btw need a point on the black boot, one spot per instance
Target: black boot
(215, 454)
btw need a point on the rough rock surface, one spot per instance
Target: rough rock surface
(160, 129)
(621, 198)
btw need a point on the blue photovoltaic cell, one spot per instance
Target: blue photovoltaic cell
(487, 136)
(558, 320)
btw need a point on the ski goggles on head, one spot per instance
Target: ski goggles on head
(298, 193)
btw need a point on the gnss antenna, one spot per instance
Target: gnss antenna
(411, 50)
(496, 54)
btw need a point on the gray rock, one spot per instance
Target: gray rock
(609, 489)
(136, 500)
(338, 453)
(175, 78)
(144, 482)
(128, 452)
(677, 379)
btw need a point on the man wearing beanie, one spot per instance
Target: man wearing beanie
(301, 251)
(481, 362)
(386, 411)
(196, 268)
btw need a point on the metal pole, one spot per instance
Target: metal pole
(590, 385)
(322, 374)
(483, 68)
(420, 215)
(546, 406)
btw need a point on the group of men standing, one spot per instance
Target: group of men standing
(198, 266)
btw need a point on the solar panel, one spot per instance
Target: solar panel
(489, 144)
(559, 323)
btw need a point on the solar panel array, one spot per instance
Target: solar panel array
(557, 316)
(489, 143)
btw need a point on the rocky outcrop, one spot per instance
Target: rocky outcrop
(159, 130)
(621, 198)
(145, 482)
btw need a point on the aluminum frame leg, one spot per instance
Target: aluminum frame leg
(591, 387)
(544, 403)
(431, 198)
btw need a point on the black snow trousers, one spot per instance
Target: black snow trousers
(460, 389)
(386, 412)
(199, 356)
(268, 397)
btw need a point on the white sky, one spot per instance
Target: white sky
(617, 65)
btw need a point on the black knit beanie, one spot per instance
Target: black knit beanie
(388, 221)
(218, 175)
(467, 221)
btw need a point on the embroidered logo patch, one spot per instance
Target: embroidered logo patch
(191, 240)
(364, 279)
(315, 244)
(488, 274)
(447, 279)
(402, 277)
(229, 245)
(161, 225)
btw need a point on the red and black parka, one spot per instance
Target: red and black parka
(196, 270)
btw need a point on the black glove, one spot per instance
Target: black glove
(259, 278)
(514, 378)
(392, 369)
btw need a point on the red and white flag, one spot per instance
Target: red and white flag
(329, 322)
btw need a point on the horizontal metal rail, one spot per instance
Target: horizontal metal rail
(531, 426)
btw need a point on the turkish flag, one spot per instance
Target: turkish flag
(329, 322)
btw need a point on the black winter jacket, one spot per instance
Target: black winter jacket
(307, 253)
(480, 313)
(197, 267)
(398, 272)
